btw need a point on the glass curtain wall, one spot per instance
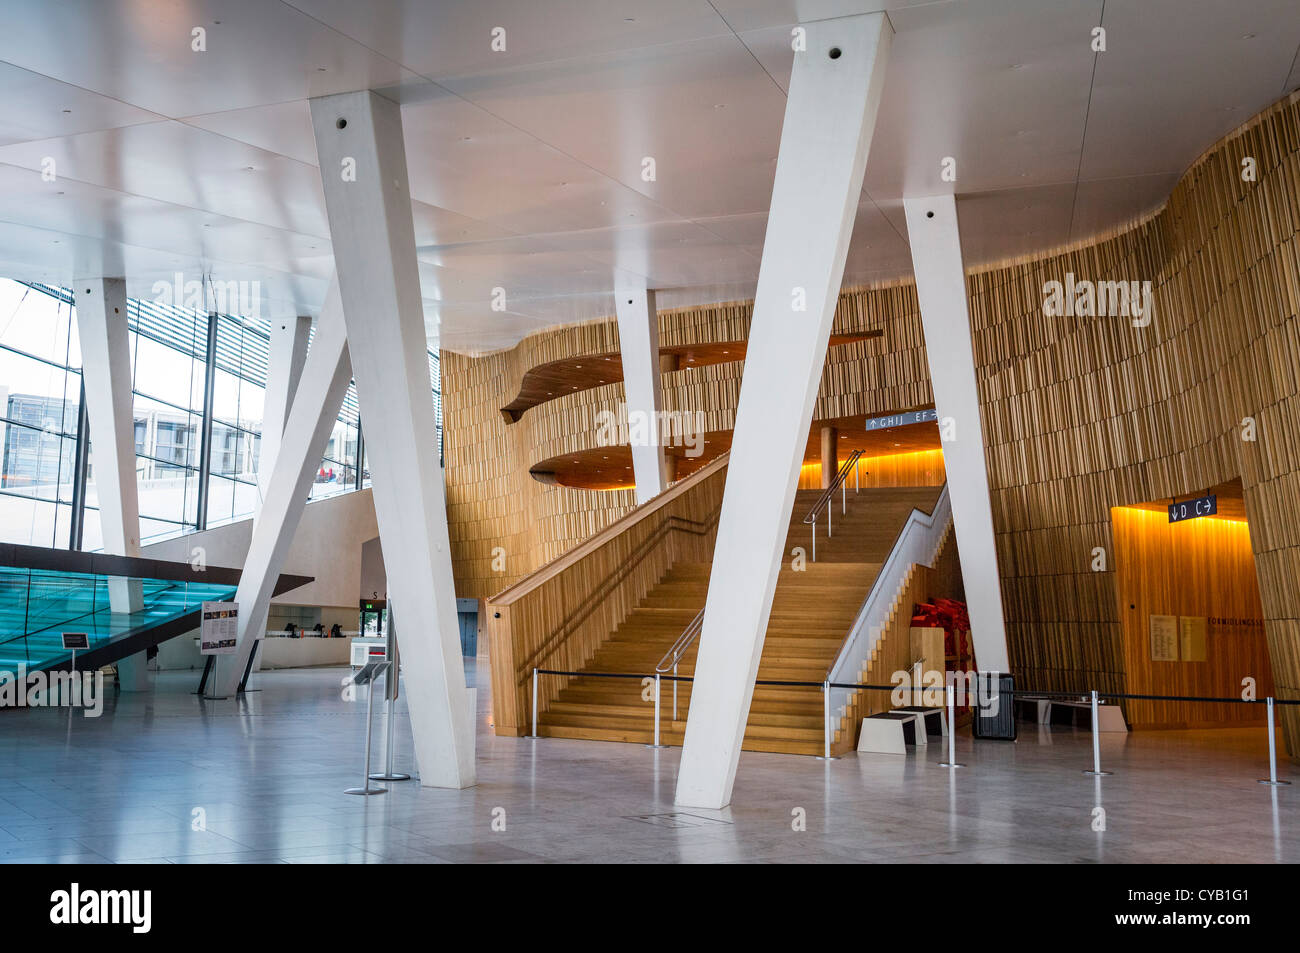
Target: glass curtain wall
(40, 384)
(40, 388)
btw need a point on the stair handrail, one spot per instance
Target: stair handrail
(917, 542)
(684, 641)
(840, 481)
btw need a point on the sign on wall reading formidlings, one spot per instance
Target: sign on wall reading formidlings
(1190, 509)
(903, 419)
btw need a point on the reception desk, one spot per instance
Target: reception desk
(302, 653)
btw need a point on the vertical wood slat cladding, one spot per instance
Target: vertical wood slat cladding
(493, 503)
(1203, 567)
(1085, 413)
(917, 468)
(1080, 414)
(560, 615)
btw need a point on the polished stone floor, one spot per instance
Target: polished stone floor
(268, 774)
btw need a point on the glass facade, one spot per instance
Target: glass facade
(171, 360)
(40, 395)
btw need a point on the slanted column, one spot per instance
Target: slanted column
(289, 337)
(830, 113)
(373, 233)
(106, 374)
(324, 382)
(941, 292)
(638, 341)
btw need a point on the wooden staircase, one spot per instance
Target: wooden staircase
(812, 611)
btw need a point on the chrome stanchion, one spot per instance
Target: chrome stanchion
(952, 761)
(674, 691)
(826, 723)
(534, 734)
(1096, 771)
(367, 677)
(1272, 752)
(657, 744)
(814, 529)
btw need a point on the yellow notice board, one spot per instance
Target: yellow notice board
(1191, 637)
(1164, 638)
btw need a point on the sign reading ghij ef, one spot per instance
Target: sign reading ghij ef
(218, 628)
(903, 419)
(1190, 509)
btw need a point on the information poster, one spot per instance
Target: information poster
(1164, 638)
(1191, 632)
(219, 628)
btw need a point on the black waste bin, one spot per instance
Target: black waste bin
(994, 710)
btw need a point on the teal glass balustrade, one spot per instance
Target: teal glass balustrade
(38, 605)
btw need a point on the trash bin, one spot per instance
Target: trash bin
(994, 711)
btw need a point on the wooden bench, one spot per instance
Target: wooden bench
(1074, 712)
(935, 720)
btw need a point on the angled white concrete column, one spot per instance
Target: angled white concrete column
(325, 378)
(835, 90)
(941, 292)
(106, 372)
(289, 337)
(373, 233)
(638, 341)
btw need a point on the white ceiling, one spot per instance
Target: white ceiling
(526, 163)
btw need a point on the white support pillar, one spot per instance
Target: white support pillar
(373, 233)
(289, 337)
(941, 292)
(106, 372)
(830, 113)
(638, 340)
(325, 378)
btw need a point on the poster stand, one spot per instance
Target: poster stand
(369, 672)
(218, 632)
(391, 684)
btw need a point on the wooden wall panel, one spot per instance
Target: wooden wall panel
(1205, 568)
(1081, 414)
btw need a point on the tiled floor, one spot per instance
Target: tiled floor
(268, 775)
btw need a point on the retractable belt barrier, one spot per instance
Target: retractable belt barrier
(1093, 697)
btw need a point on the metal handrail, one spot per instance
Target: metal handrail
(841, 483)
(684, 642)
(672, 657)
